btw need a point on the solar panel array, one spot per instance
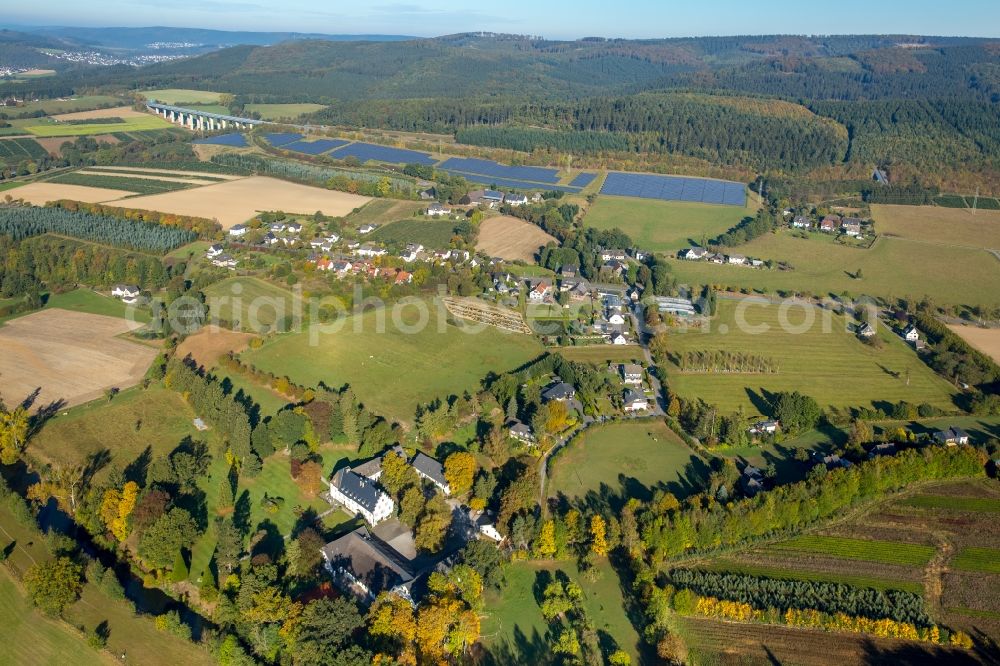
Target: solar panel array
(510, 183)
(675, 188)
(370, 151)
(235, 140)
(314, 147)
(496, 170)
(583, 179)
(281, 138)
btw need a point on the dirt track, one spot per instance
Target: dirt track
(71, 356)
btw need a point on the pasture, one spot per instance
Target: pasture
(42, 192)
(986, 340)
(283, 111)
(395, 366)
(252, 305)
(610, 463)
(141, 123)
(602, 354)
(893, 267)
(57, 350)
(514, 631)
(816, 355)
(182, 96)
(237, 201)
(432, 234)
(383, 211)
(665, 226)
(82, 103)
(511, 238)
(943, 226)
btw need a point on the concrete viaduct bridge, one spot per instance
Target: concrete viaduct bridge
(200, 120)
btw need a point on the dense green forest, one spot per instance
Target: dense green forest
(21, 222)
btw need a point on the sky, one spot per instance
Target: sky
(548, 18)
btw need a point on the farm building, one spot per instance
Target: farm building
(365, 566)
(952, 436)
(432, 470)
(681, 307)
(361, 496)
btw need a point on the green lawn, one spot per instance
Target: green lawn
(893, 267)
(9, 186)
(985, 560)
(181, 96)
(391, 369)
(602, 354)
(162, 416)
(29, 637)
(868, 550)
(514, 630)
(665, 226)
(82, 103)
(432, 234)
(85, 300)
(149, 122)
(255, 304)
(731, 566)
(269, 401)
(184, 252)
(628, 459)
(282, 111)
(833, 367)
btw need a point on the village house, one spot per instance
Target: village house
(239, 231)
(520, 431)
(437, 209)
(613, 255)
(128, 293)
(764, 428)
(631, 373)
(277, 227)
(618, 338)
(492, 198)
(829, 224)
(370, 250)
(801, 222)
(367, 228)
(428, 194)
(737, 259)
(832, 461)
(579, 291)
(224, 261)
(635, 401)
(214, 251)
(513, 199)
(539, 292)
(365, 566)
(559, 392)
(473, 198)
(442, 255)
(752, 480)
(569, 271)
(293, 228)
(911, 334)
(953, 436)
(361, 496)
(851, 226)
(866, 330)
(402, 277)
(270, 239)
(615, 319)
(411, 252)
(486, 525)
(717, 258)
(884, 449)
(432, 470)
(694, 253)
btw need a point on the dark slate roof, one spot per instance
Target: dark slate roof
(559, 391)
(360, 489)
(429, 467)
(369, 561)
(632, 395)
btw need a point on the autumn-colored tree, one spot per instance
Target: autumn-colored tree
(13, 433)
(557, 418)
(60, 483)
(598, 540)
(432, 527)
(554, 601)
(460, 470)
(311, 478)
(545, 543)
(397, 474)
(391, 617)
(116, 508)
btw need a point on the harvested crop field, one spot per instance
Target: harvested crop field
(70, 356)
(511, 238)
(117, 112)
(41, 193)
(237, 201)
(986, 340)
(944, 226)
(211, 342)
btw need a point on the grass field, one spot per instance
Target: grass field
(30, 638)
(382, 211)
(602, 354)
(282, 111)
(885, 552)
(955, 503)
(622, 460)
(943, 226)
(820, 364)
(85, 300)
(57, 106)
(985, 560)
(392, 370)
(146, 122)
(432, 234)
(514, 631)
(155, 417)
(181, 96)
(662, 226)
(893, 267)
(256, 305)
(9, 186)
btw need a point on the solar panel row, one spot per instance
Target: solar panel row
(235, 140)
(675, 188)
(314, 147)
(281, 138)
(510, 183)
(489, 168)
(370, 151)
(583, 179)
